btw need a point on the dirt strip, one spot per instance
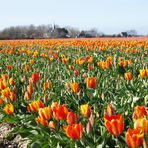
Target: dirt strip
(16, 142)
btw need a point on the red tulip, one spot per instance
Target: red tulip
(76, 72)
(114, 124)
(59, 111)
(134, 137)
(1, 101)
(71, 118)
(91, 82)
(35, 77)
(74, 131)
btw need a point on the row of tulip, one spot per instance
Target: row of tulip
(75, 93)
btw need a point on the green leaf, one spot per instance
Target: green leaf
(146, 137)
(10, 119)
(36, 144)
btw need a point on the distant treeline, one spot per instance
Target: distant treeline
(49, 31)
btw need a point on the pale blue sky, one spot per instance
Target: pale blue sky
(108, 16)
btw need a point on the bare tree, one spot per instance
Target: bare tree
(73, 32)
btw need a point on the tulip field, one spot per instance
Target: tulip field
(75, 93)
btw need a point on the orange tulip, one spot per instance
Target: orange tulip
(30, 89)
(114, 124)
(11, 81)
(1, 101)
(6, 92)
(134, 137)
(139, 112)
(108, 63)
(71, 118)
(27, 96)
(128, 76)
(32, 62)
(85, 110)
(65, 60)
(40, 120)
(4, 76)
(91, 82)
(47, 85)
(74, 87)
(27, 67)
(141, 123)
(35, 105)
(143, 73)
(74, 131)
(9, 109)
(35, 77)
(59, 111)
(12, 96)
(30, 81)
(70, 67)
(9, 67)
(90, 67)
(45, 113)
(2, 84)
(52, 125)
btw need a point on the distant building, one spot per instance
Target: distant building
(124, 34)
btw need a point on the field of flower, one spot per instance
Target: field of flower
(75, 92)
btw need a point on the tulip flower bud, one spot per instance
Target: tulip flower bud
(91, 119)
(30, 89)
(52, 125)
(23, 79)
(27, 96)
(76, 73)
(88, 127)
(45, 99)
(12, 96)
(109, 111)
